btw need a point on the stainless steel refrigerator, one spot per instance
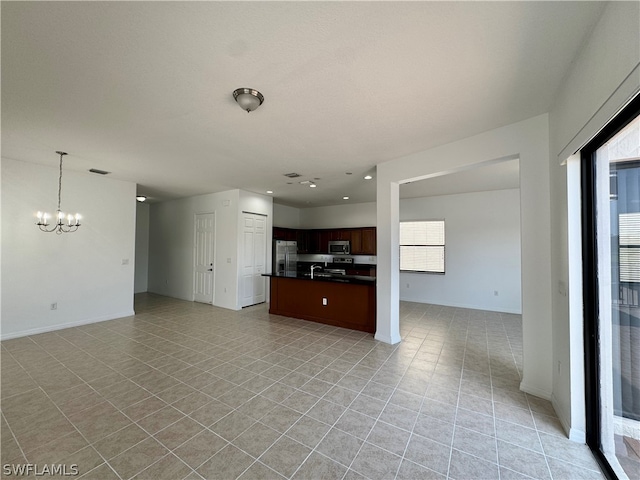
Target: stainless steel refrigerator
(285, 257)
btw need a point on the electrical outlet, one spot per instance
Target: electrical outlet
(407, 285)
(125, 261)
(325, 302)
(54, 306)
(495, 293)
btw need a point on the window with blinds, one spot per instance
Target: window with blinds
(629, 247)
(422, 246)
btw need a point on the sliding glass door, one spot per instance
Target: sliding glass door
(611, 251)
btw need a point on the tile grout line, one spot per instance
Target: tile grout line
(89, 444)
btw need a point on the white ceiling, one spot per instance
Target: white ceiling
(144, 89)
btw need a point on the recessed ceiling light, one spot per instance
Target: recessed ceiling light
(313, 185)
(141, 198)
(345, 198)
(269, 191)
(368, 177)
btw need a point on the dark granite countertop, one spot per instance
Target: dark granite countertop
(323, 277)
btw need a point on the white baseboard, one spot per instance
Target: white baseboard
(574, 434)
(486, 308)
(62, 326)
(535, 391)
(387, 339)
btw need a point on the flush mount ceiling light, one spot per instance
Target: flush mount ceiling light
(368, 177)
(248, 98)
(141, 198)
(72, 221)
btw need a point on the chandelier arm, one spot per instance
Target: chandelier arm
(43, 227)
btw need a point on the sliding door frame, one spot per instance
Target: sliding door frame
(590, 283)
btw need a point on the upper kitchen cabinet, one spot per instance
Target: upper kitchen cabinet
(280, 233)
(363, 241)
(340, 234)
(322, 241)
(369, 245)
(303, 239)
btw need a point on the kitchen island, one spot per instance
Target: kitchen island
(347, 301)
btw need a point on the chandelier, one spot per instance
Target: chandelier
(64, 224)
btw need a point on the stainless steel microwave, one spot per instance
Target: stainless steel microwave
(339, 247)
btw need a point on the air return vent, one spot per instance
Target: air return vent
(292, 175)
(99, 172)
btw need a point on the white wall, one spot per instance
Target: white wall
(604, 76)
(527, 140)
(172, 242)
(339, 216)
(482, 253)
(285, 216)
(82, 272)
(142, 248)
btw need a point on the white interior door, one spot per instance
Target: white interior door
(204, 261)
(254, 259)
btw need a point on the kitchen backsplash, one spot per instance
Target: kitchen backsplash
(326, 258)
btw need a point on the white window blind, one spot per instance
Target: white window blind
(629, 243)
(422, 246)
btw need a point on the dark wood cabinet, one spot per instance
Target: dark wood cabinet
(288, 234)
(363, 240)
(279, 233)
(369, 246)
(302, 240)
(340, 304)
(323, 241)
(356, 241)
(340, 234)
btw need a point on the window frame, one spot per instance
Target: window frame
(443, 246)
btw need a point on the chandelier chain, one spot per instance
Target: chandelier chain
(60, 181)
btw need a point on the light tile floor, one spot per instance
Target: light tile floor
(188, 391)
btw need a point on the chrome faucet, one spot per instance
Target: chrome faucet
(313, 267)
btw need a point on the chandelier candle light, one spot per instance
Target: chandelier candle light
(72, 221)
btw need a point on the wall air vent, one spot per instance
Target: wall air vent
(292, 175)
(99, 172)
